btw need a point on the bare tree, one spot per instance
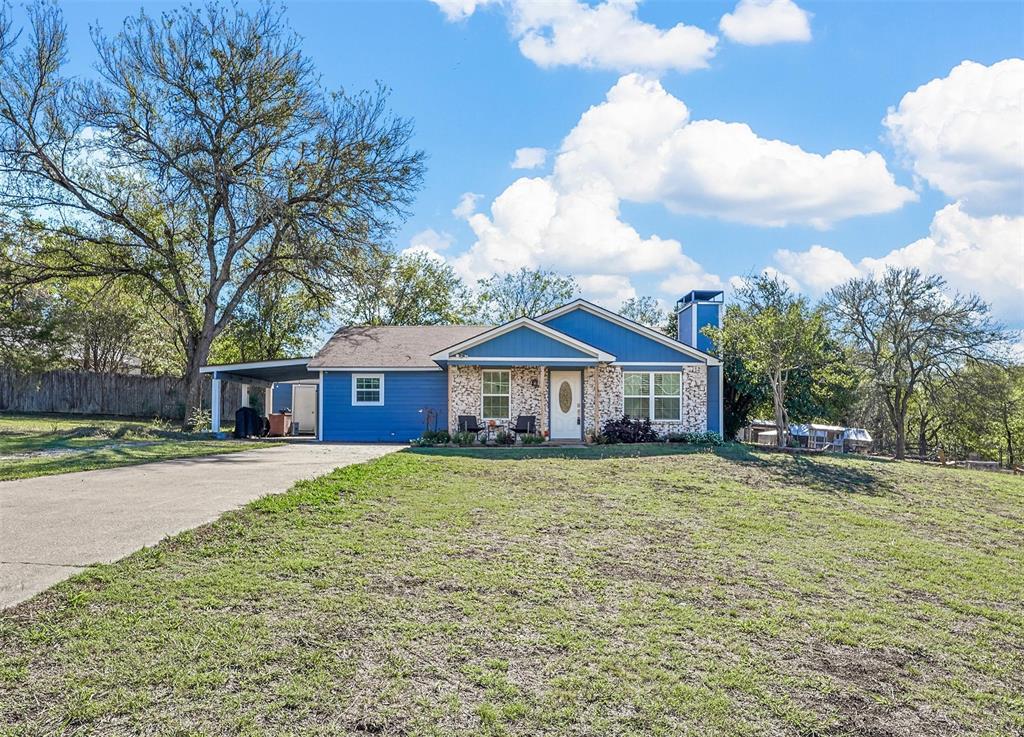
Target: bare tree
(903, 327)
(204, 157)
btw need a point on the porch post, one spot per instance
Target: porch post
(215, 403)
(245, 395)
(450, 421)
(544, 400)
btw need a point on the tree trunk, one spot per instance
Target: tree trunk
(1009, 439)
(901, 436)
(778, 400)
(197, 353)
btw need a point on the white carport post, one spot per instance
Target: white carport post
(245, 395)
(215, 403)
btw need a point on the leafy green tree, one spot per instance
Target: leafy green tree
(30, 334)
(646, 311)
(411, 288)
(904, 327)
(775, 334)
(205, 157)
(277, 318)
(743, 392)
(529, 292)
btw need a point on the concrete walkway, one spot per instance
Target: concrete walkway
(53, 526)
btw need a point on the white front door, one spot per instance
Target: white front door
(565, 405)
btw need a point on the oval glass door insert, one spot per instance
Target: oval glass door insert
(565, 397)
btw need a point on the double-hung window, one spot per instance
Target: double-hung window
(496, 394)
(367, 390)
(657, 395)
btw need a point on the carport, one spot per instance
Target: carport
(263, 374)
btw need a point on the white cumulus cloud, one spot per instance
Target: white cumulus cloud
(640, 145)
(818, 268)
(455, 10)
(964, 134)
(604, 36)
(761, 22)
(981, 255)
(642, 141)
(529, 158)
(466, 205)
(608, 290)
(430, 243)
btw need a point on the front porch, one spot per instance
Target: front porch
(570, 403)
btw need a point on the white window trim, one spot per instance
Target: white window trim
(483, 417)
(651, 395)
(356, 402)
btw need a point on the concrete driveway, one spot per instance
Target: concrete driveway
(53, 526)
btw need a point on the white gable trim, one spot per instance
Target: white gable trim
(582, 304)
(455, 350)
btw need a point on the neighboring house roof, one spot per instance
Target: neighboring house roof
(390, 346)
(522, 338)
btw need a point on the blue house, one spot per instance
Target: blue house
(573, 369)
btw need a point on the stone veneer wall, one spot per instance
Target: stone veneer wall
(466, 386)
(603, 383)
(609, 399)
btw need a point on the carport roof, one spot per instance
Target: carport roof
(288, 369)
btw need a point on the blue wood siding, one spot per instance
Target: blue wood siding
(281, 397)
(706, 315)
(685, 327)
(524, 342)
(714, 399)
(398, 420)
(623, 343)
(491, 362)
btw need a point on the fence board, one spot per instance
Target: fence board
(85, 392)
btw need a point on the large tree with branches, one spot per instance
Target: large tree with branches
(905, 330)
(775, 335)
(203, 157)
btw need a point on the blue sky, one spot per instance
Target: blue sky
(628, 211)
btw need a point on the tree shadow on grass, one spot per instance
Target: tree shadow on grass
(833, 474)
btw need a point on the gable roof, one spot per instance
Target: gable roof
(389, 346)
(456, 349)
(656, 335)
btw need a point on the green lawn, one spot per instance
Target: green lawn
(41, 445)
(556, 592)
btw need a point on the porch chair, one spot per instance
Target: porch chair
(525, 425)
(468, 423)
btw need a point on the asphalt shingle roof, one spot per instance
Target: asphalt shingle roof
(390, 346)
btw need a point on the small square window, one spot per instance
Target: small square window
(367, 389)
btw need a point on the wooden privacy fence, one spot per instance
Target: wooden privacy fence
(85, 392)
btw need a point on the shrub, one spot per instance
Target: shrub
(532, 439)
(504, 438)
(629, 430)
(436, 437)
(200, 421)
(464, 438)
(696, 438)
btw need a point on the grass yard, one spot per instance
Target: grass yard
(41, 445)
(604, 591)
